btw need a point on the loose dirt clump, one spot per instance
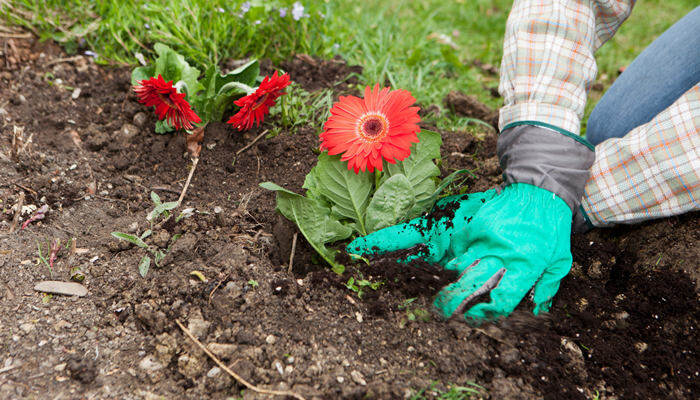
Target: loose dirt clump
(470, 106)
(623, 324)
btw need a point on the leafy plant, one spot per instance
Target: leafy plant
(340, 203)
(360, 284)
(209, 97)
(160, 211)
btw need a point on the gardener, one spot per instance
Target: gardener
(645, 163)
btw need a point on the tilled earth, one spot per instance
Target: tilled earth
(623, 325)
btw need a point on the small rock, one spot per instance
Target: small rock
(218, 210)
(60, 287)
(622, 315)
(358, 378)
(148, 364)
(197, 325)
(26, 327)
(75, 94)
(595, 271)
(270, 339)
(572, 348)
(18, 99)
(288, 369)
(133, 227)
(140, 119)
(190, 367)
(152, 368)
(340, 379)
(223, 350)
(214, 372)
(60, 367)
(641, 347)
(128, 131)
(161, 238)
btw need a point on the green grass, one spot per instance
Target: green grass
(397, 42)
(452, 392)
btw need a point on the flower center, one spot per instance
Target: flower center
(166, 100)
(260, 101)
(373, 127)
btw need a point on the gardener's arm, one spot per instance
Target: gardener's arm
(505, 244)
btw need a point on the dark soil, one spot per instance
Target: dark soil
(623, 324)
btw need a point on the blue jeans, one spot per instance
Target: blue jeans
(665, 70)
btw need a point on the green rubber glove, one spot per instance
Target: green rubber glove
(440, 231)
(518, 240)
(500, 243)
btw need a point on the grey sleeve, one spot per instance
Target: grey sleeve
(547, 159)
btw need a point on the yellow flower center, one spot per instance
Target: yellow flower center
(372, 127)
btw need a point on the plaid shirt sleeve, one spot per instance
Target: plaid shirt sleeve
(548, 64)
(652, 172)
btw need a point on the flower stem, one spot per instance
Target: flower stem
(377, 178)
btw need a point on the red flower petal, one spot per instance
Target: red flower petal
(382, 126)
(255, 106)
(169, 104)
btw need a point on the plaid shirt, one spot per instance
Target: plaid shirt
(546, 72)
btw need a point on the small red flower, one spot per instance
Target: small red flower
(255, 106)
(168, 102)
(383, 125)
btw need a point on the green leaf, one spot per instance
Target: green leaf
(314, 221)
(446, 182)
(130, 238)
(141, 73)
(348, 192)
(155, 198)
(163, 127)
(173, 67)
(220, 91)
(246, 73)
(144, 265)
(390, 204)
(420, 169)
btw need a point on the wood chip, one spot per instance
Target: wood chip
(60, 287)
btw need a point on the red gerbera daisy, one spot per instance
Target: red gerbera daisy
(255, 106)
(383, 125)
(168, 102)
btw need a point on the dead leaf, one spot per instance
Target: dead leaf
(194, 141)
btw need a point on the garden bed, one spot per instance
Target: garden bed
(622, 326)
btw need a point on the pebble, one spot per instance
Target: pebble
(18, 99)
(133, 227)
(223, 350)
(358, 378)
(340, 379)
(148, 364)
(641, 347)
(75, 94)
(128, 131)
(218, 210)
(60, 367)
(140, 119)
(198, 326)
(213, 372)
(26, 327)
(270, 339)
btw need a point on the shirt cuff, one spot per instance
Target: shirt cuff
(546, 114)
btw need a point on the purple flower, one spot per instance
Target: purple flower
(147, 26)
(91, 53)
(283, 12)
(297, 11)
(221, 10)
(245, 7)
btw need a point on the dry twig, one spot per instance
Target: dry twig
(291, 254)
(233, 374)
(195, 160)
(18, 212)
(249, 145)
